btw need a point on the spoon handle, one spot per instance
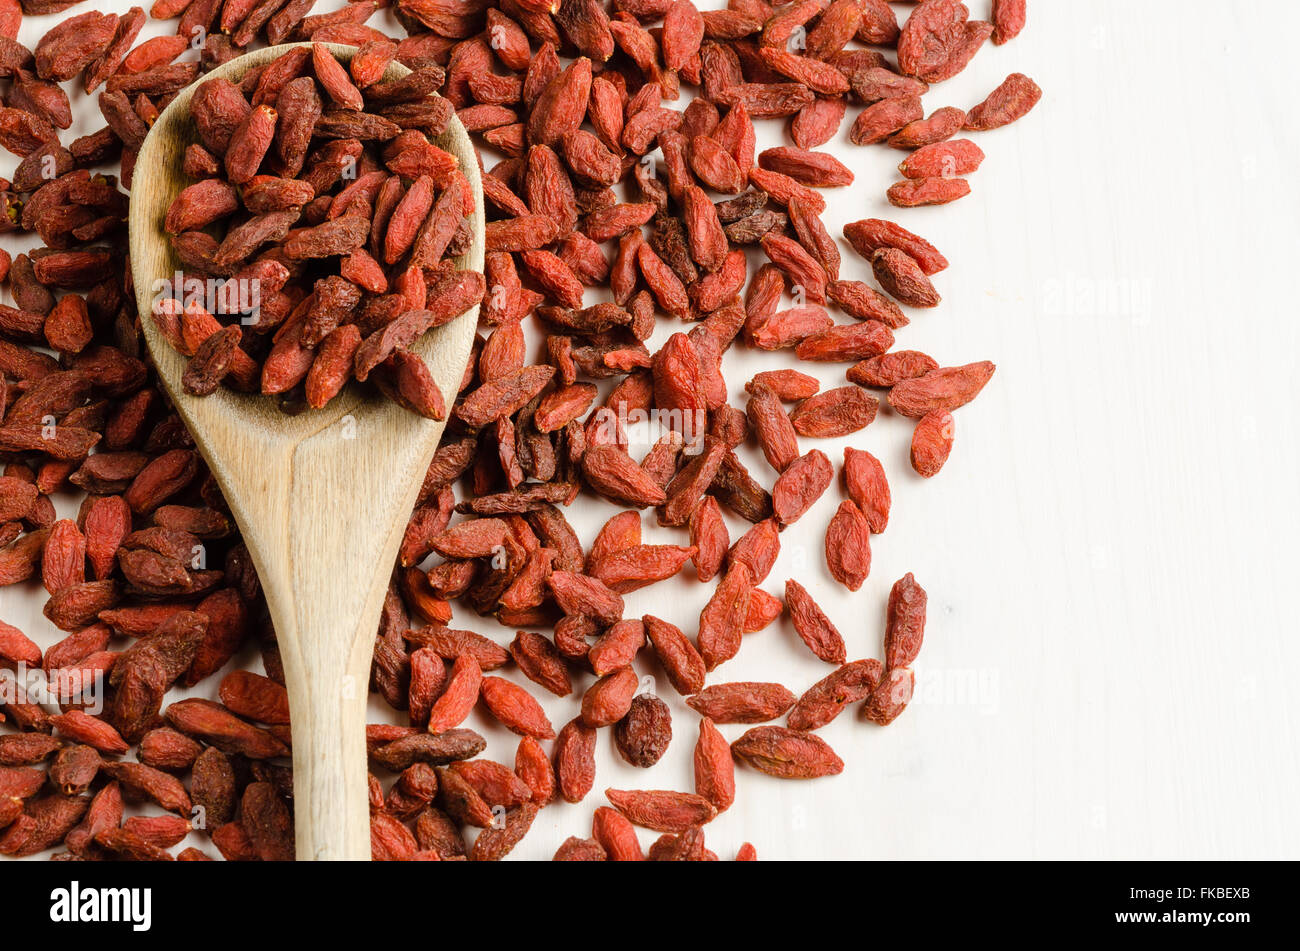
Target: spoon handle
(327, 696)
(325, 570)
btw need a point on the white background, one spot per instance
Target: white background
(1110, 551)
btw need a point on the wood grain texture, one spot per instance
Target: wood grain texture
(321, 498)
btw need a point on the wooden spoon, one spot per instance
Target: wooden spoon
(321, 498)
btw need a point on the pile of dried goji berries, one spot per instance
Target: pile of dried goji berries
(612, 211)
(329, 259)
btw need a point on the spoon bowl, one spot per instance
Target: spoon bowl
(321, 498)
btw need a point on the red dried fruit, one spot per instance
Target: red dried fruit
(943, 160)
(575, 760)
(927, 191)
(63, 563)
(532, 766)
(390, 841)
(722, 620)
(661, 810)
(905, 622)
(249, 144)
(942, 389)
(495, 842)
(494, 783)
(787, 754)
(574, 849)
(804, 272)
(890, 697)
(865, 482)
(151, 784)
(827, 699)
(645, 731)
(45, 822)
(164, 748)
(579, 594)
(459, 697)
(709, 537)
(904, 280)
(763, 610)
(616, 835)
(775, 432)
(267, 822)
(932, 442)
(799, 485)
(818, 169)
(541, 663)
(503, 397)
(929, 37)
(617, 647)
(812, 624)
(816, 123)
(255, 697)
(742, 702)
(715, 779)
(515, 708)
(679, 657)
(890, 369)
(1008, 20)
(848, 546)
(870, 234)
(882, 119)
(608, 700)
(640, 566)
(683, 30)
(836, 412)
(562, 105)
(785, 328)
(1004, 105)
(940, 125)
(615, 475)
